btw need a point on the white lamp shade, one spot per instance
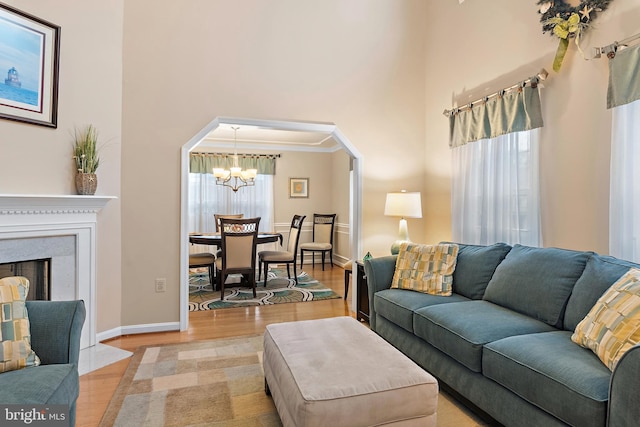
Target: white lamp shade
(403, 204)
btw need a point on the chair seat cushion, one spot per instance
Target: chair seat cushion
(44, 384)
(275, 256)
(315, 246)
(549, 370)
(204, 258)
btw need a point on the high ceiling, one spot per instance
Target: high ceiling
(269, 139)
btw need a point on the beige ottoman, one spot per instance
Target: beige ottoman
(337, 372)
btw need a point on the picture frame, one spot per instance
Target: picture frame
(298, 188)
(29, 61)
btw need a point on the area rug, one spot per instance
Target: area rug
(279, 289)
(213, 383)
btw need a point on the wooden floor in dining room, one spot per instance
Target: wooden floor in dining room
(97, 387)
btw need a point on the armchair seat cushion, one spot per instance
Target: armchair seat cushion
(311, 246)
(561, 371)
(276, 256)
(44, 384)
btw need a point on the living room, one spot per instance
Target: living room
(151, 76)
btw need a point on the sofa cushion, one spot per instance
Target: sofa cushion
(550, 371)
(15, 333)
(600, 273)
(537, 281)
(475, 267)
(398, 305)
(425, 268)
(44, 384)
(461, 329)
(612, 326)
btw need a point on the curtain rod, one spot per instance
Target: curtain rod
(610, 50)
(275, 156)
(533, 81)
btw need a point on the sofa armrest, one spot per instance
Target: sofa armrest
(623, 391)
(56, 327)
(379, 273)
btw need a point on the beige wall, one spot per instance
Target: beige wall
(37, 160)
(150, 77)
(359, 64)
(495, 44)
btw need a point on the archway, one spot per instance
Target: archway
(355, 218)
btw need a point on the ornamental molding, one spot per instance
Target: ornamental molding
(34, 204)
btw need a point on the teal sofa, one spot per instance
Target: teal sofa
(502, 340)
(55, 327)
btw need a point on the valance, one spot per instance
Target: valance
(624, 78)
(513, 111)
(205, 162)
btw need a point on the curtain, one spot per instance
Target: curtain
(205, 162)
(495, 185)
(624, 199)
(206, 199)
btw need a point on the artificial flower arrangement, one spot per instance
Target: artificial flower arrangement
(85, 150)
(565, 21)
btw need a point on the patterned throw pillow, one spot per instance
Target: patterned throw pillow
(16, 352)
(612, 326)
(426, 268)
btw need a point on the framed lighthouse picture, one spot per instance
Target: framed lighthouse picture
(29, 56)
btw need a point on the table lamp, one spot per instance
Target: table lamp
(404, 205)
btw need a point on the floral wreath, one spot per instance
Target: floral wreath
(565, 21)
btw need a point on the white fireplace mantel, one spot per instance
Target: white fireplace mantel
(44, 216)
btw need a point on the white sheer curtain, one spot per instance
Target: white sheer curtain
(495, 190)
(624, 204)
(206, 199)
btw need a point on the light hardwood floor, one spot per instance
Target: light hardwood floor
(97, 387)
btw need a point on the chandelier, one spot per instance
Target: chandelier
(235, 177)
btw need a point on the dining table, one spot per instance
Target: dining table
(215, 239)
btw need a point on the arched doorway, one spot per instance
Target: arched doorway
(355, 200)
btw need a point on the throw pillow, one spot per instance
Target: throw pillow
(426, 268)
(16, 352)
(612, 326)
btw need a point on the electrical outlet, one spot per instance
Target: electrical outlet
(161, 284)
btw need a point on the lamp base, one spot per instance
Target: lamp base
(403, 236)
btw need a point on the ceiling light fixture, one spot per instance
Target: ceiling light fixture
(235, 177)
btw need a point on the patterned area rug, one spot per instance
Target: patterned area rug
(213, 383)
(279, 290)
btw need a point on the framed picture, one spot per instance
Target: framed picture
(29, 56)
(298, 188)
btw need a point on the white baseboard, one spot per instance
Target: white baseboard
(137, 329)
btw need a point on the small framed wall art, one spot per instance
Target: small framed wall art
(298, 188)
(29, 57)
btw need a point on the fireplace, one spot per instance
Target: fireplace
(36, 271)
(61, 230)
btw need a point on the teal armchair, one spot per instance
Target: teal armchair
(55, 327)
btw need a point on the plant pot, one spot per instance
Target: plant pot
(86, 183)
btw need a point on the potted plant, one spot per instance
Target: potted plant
(85, 155)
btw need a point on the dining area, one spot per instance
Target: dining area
(235, 252)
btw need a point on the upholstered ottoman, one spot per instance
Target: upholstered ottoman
(337, 372)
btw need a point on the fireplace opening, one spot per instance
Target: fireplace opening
(38, 271)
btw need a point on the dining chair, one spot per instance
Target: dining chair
(288, 256)
(204, 259)
(239, 239)
(322, 239)
(228, 216)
